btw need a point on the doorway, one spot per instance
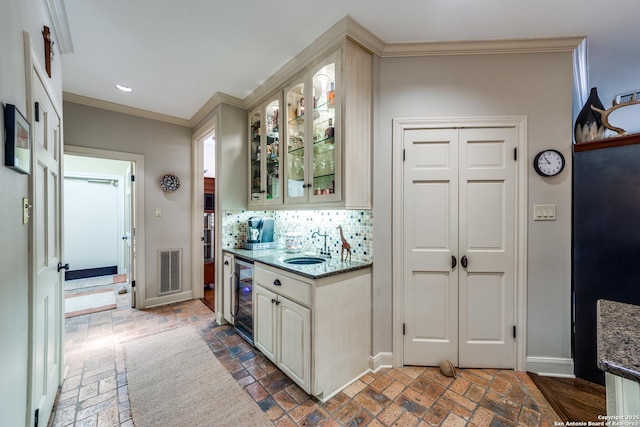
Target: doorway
(117, 179)
(457, 262)
(97, 226)
(208, 237)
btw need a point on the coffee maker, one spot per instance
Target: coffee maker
(259, 233)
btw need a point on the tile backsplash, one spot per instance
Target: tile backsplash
(357, 226)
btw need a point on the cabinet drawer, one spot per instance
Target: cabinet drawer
(283, 285)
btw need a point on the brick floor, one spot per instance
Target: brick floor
(95, 393)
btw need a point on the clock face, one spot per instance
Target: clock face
(170, 183)
(548, 163)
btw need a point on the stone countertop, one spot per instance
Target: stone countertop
(276, 257)
(619, 339)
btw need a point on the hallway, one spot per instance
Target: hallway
(95, 389)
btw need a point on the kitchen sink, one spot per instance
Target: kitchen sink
(304, 260)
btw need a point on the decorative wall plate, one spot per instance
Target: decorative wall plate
(170, 183)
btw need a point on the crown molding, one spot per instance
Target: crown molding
(483, 47)
(119, 108)
(58, 15)
(217, 99)
(346, 28)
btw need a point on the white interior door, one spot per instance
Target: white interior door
(47, 327)
(459, 255)
(430, 239)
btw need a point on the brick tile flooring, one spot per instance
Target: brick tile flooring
(94, 392)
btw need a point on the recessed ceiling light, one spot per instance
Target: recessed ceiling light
(124, 88)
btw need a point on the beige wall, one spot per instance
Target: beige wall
(166, 149)
(16, 16)
(538, 86)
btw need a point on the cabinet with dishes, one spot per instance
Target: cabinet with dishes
(326, 132)
(265, 167)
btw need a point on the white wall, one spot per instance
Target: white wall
(92, 223)
(16, 16)
(536, 85)
(166, 149)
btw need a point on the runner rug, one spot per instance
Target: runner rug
(89, 302)
(174, 379)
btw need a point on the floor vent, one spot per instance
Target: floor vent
(170, 262)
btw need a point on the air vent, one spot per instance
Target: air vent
(626, 97)
(170, 262)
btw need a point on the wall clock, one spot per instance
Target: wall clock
(548, 163)
(170, 183)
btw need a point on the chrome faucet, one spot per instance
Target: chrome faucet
(323, 252)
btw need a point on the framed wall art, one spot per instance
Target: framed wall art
(17, 144)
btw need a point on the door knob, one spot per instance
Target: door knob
(454, 262)
(61, 267)
(464, 261)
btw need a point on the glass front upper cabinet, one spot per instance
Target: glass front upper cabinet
(255, 156)
(323, 162)
(265, 166)
(295, 170)
(312, 139)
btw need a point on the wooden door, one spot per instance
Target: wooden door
(459, 253)
(48, 314)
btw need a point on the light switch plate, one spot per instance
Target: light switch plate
(544, 212)
(25, 210)
(158, 211)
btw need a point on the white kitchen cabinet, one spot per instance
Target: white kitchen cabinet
(317, 331)
(282, 332)
(227, 285)
(265, 167)
(325, 151)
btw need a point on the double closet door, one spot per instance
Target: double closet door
(458, 272)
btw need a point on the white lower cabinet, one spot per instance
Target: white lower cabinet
(318, 332)
(282, 332)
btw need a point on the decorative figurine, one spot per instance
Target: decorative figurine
(345, 246)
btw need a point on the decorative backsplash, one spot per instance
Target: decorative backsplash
(357, 226)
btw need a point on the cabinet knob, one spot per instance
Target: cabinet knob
(263, 191)
(277, 282)
(464, 261)
(273, 301)
(277, 302)
(226, 262)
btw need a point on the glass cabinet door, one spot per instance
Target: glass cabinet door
(255, 156)
(324, 126)
(272, 153)
(295, 119)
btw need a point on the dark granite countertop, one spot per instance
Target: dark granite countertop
(276, 257)
(619, 339)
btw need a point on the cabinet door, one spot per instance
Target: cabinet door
(324, 148)
(264, 321)
(265, 169)
(295, 167)
(255, 158)
(294, 357)
(273, 169)
(227, 288)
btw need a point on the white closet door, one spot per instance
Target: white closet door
(487, 191)
(430, 241)
(459, 192)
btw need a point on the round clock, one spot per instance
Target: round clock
(548, 163)
(170, 183)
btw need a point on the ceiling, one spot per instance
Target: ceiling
(177, 54)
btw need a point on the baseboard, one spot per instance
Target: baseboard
(551, 366)
(168, 299)
(381, 360)
(90, 272)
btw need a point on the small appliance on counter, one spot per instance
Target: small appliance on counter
(259, 233)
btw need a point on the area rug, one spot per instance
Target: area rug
(174, 379)
(89, 302)
(92, 282)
